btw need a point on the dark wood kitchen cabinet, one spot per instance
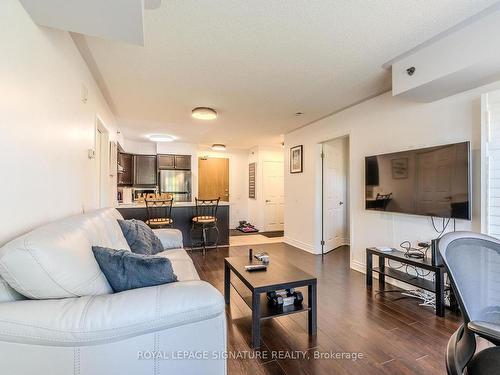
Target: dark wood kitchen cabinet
(126, 172)
(182, 162)
(145, 170)
(166, 161)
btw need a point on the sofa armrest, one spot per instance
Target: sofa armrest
(107, 318)
(170, 238)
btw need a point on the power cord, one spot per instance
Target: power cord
(420, 252)
(444, 226)
(414, 252)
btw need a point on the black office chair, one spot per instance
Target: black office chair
(473, 264)
(205, 219)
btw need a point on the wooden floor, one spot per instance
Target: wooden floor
(394, 334)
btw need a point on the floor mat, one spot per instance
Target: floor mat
(276, 233)
(270, 234)
(236, 232)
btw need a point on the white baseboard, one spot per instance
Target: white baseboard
(346, 242)
(301, 245)
(358, 266)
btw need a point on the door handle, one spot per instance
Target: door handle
(268, 201)
(341, 203)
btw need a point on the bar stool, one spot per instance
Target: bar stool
(205, 219)
(159, 213)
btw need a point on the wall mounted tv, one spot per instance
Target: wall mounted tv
(433, 181)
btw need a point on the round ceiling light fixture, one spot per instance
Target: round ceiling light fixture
(218, 147)
(160, 138)
(204, 113)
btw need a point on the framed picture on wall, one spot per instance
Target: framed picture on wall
(296, 159)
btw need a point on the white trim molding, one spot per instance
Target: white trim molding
(301, 245)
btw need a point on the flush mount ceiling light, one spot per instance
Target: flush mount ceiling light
(218, 147)
(160, 138)
(204, 113)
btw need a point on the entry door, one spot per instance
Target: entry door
(274, 196)
(213, 178)
(434, 181)
(335, 171)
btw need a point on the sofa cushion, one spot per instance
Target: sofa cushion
(102, 229)
(170, 238)
(182, 264)
(56, 260)
(126, 270)
(140, 237)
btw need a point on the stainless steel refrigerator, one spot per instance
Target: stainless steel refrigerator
(176, 183)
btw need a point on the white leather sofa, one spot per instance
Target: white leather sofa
(58, 314)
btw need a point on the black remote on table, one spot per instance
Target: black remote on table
(256, 267)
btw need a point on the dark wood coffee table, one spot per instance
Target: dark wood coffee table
(279, 275)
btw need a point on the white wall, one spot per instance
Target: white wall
(259, 155)
(380, 125)
(45, 128)
(454, 62)
(137, 147)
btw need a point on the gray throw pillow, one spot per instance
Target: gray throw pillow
(126, 270)
(140, 237)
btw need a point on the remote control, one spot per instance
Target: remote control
(256, 267)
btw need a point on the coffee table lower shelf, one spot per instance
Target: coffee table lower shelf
(268, 312)
(278, 276)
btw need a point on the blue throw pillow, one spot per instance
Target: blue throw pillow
(140, 237)
(126, 270)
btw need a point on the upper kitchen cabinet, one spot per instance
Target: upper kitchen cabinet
(145, 170)
(125, 169)
(166, 162)
(182, 162)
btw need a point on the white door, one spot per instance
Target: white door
(273, 188)
(335, 169)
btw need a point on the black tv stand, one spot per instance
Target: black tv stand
(437, 286)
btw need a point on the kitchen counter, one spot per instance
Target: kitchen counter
(182, 214)
(176, 204)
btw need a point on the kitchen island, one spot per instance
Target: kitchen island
(182, 213)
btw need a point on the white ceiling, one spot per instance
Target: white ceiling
(258, 62)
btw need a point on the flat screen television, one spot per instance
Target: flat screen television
(432, 181)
